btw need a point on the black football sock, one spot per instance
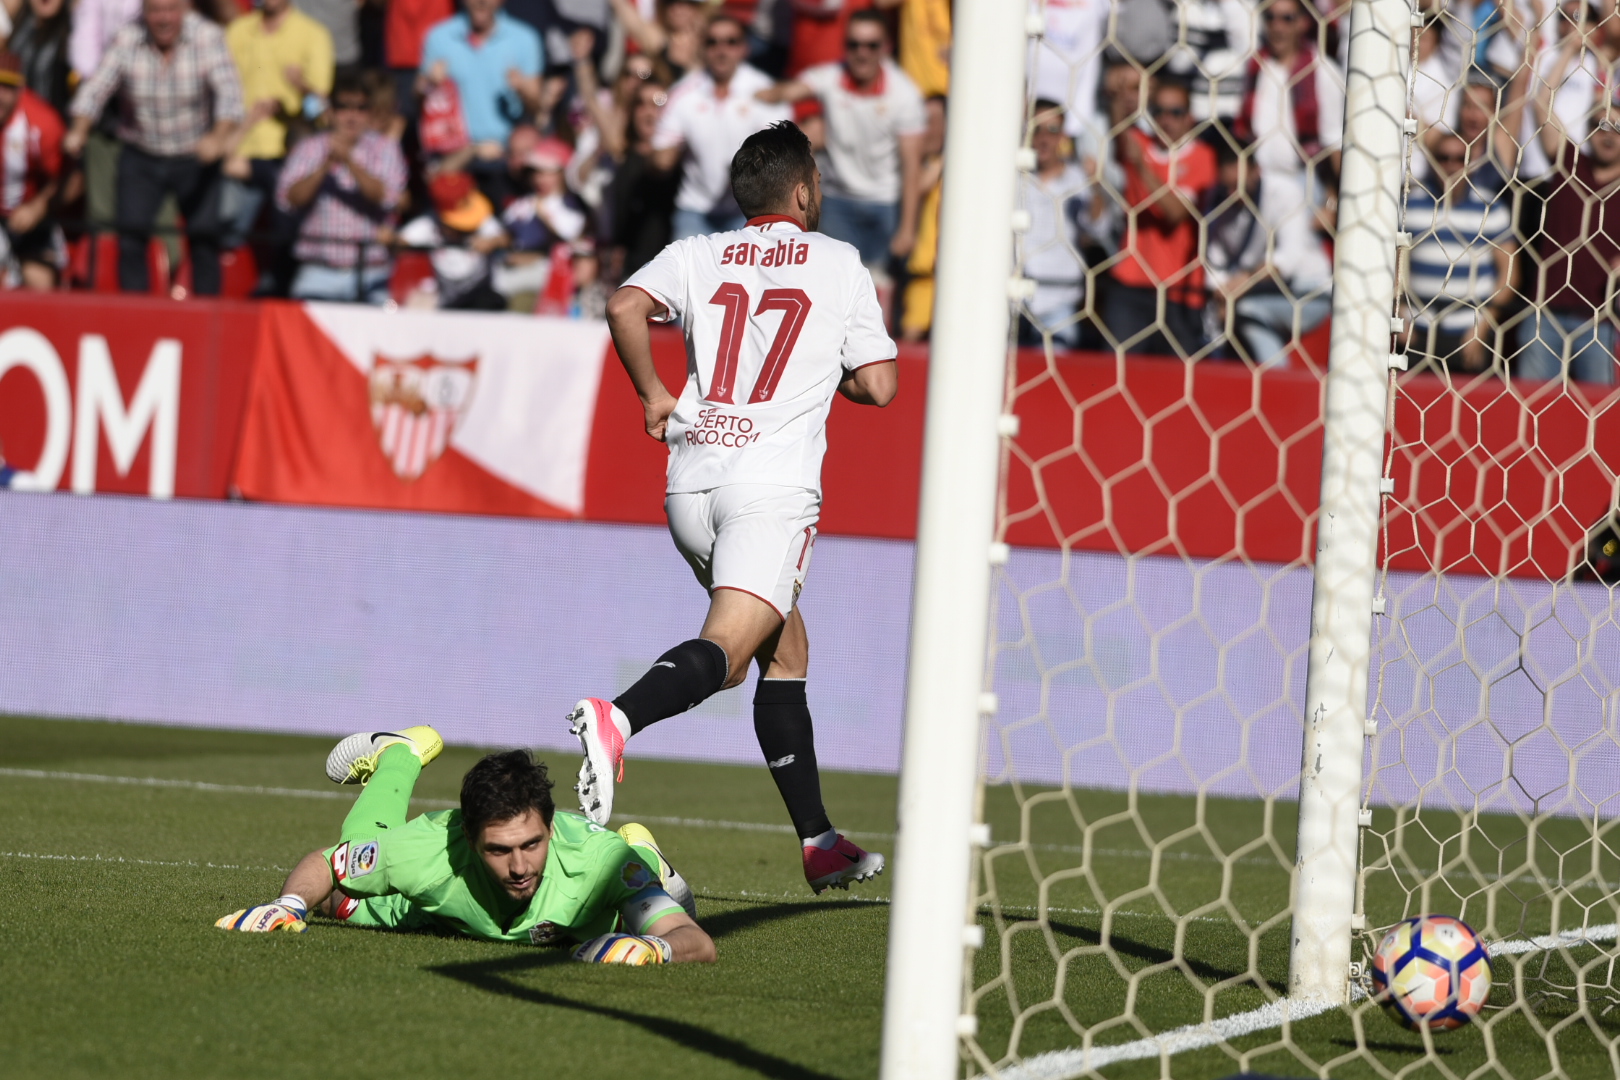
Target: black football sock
(782, 723)
(680, 680)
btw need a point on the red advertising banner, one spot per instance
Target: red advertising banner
(124, 395)
(340, 405)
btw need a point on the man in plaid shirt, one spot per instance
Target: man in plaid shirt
(346, 184)
(181, 101)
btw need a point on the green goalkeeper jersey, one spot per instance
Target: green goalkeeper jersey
(427, 872)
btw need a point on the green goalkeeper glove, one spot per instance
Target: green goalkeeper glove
(284, 913)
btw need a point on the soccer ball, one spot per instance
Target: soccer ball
(1432, 971)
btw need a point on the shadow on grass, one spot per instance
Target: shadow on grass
(729, 922)
(495, 977)
(1382, 1046)
(1153, 954)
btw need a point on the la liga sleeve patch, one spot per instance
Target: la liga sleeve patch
(362, 859)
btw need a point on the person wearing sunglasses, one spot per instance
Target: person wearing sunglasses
(874, 124)
(709, 114)
(1463, 259)
(1166, 175)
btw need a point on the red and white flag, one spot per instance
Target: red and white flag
(450, 412)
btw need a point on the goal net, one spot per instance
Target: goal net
(1248, 707)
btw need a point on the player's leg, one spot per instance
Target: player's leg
(740, 618)
(786, 734)
(387, 763)
(783, 726)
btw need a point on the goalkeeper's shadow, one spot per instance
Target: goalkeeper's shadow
(491, 976)
(497, 977)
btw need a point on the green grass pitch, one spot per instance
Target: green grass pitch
(110, 965)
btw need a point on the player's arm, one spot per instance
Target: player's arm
(872, 384)
(671, 939)
(627, 313)
(308, 886)
(686, 939)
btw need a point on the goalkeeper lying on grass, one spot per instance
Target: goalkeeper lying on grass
(506, 866)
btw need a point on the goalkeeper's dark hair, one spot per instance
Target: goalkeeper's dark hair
(504, 786)
(769, 166)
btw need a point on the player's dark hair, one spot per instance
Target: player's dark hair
(769, 166)
(504, 786)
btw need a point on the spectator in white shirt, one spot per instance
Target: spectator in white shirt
(1219, 38)
(710, 113)
(1293, 112)
(1055, 195)
(1576, 70)
(95, 24)
(1268, 287)
(1064, 62)
(872, 163)
(1435, 92)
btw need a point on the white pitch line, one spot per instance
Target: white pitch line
(201, 785)
(133, 862)
(1068, 1064)
(1566, 939)
(349, 796)
(685, 822)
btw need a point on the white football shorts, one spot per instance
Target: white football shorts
(755, 538)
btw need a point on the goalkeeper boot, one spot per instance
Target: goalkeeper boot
(353, 760)
(595, 722)
(679, 891)
(837, 866)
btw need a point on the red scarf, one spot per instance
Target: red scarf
(1302, 97)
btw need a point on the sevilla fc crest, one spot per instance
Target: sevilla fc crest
(415, 405)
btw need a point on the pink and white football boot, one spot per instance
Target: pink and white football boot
(593, 721)
(837, 866)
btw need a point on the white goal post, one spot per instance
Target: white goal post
(1355, 407)
(951, 591)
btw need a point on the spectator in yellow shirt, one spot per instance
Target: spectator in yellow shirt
(925, 44)
(285, 60)
(917, 299)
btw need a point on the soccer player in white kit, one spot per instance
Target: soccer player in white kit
(777, 319)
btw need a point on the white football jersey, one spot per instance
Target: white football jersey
(775, 318)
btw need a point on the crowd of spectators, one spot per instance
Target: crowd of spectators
(528, 154)
(1181, 190)
(1186, 160)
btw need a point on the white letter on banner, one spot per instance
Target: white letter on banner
(156, 407)
(25, 348)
